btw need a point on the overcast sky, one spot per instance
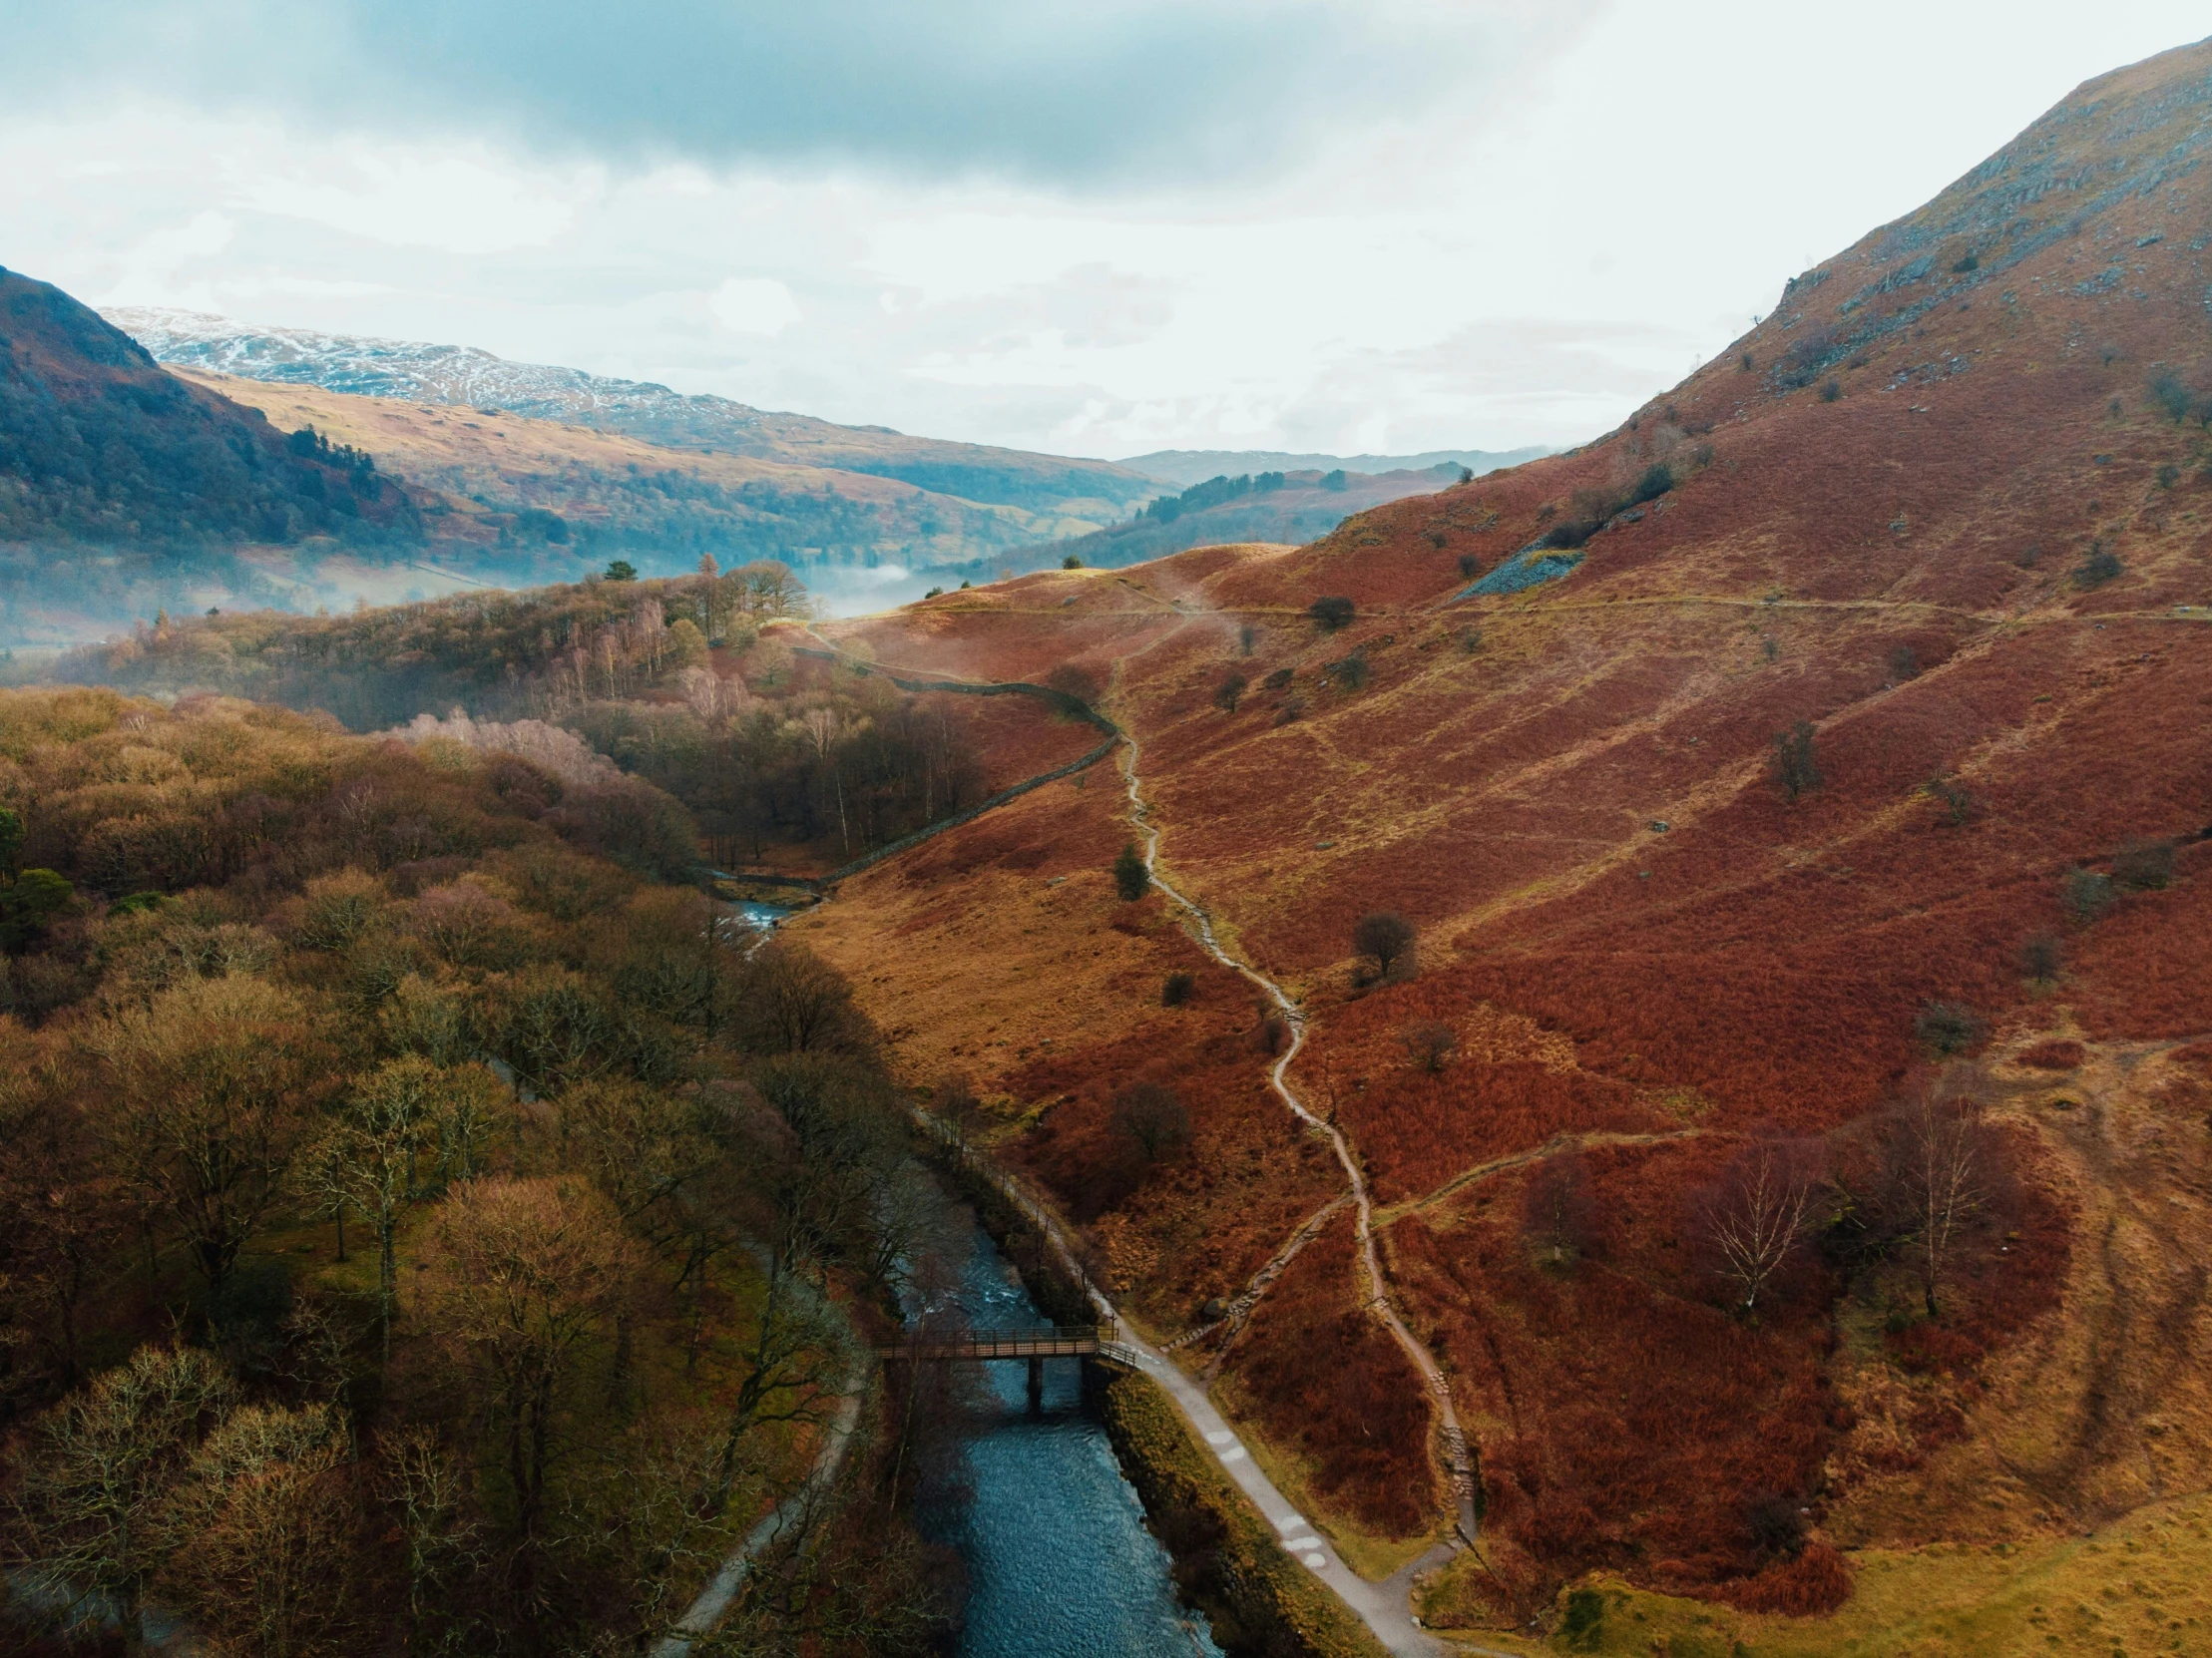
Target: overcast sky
(1095, 228)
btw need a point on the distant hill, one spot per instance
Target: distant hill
(519, 501)
(1184, 467)
(1279, 507)
(123, 488)
(467, 377)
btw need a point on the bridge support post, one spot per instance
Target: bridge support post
(1037, 1387)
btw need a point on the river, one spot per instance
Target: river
(1059, 1563)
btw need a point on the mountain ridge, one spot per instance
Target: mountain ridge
(467, 376)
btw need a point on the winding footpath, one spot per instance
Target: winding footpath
(1384, 1607)
(1458, 1465)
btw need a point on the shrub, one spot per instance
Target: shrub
(2143, 866)
(1247, 636)
(1273, 1032)
(1948, 1026)
(1796, 766)
(2085, 894)
(1471, 642)
(1831, 391)
(1130, 878)
(1658, 479)
(2101, 566)
(1277, 680)
(1072, 562)
(1583, 1620)
(1775, 1526)
(1229, 692)
(2170, 394)
(1958, 801)
(1770, 647)
(2043, 958)
(1330, 615)
(1470, 565)
(1969, 263)
(1177, 989)
(1349, 671)
(933, 592)
(1430, 1044)
(2168, 476)
(1903, 663)
(1292, 709)
(1385, 938)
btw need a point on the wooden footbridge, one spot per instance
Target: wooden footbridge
(1100, 1343)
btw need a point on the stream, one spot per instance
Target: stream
(1059, 1563)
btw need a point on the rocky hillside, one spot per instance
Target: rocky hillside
(1821, 753)
(462, 376)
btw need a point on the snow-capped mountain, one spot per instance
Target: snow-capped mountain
(465, 376)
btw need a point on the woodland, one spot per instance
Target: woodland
(419, 1230)
(775, 755)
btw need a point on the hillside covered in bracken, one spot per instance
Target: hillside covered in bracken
(1806, 784)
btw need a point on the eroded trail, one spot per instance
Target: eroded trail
(1458, 1465)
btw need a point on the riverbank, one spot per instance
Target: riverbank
(1228, 1561)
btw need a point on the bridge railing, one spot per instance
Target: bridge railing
(1040, 1341)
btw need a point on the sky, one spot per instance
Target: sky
(1099, 227)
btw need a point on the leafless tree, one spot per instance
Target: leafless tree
(368, 1156)
(1937, 1172)
(1430, 1043)
(518, 1275)
(94, 1492)
(1150, 1114)
(799, 1004)
(210, 1085)
(268, 1522)
(1557, 1218)
(429, 1495)
(1385, 938)
(1759, 1213)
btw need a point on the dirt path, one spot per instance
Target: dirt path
(1458, 1465)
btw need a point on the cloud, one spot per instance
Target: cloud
(753, 306)
(1063, 92)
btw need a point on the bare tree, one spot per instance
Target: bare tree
(1557, 1218)
(1796, 766)
(1151, 1117)
(1430, 1044)
(799, 1004)
(268, 1523)
(367, 1158)
(1758, 1214)
(1385, 938)
(518, 1275)
(210, 1087)
(1935, 1174)
(96, 1479)
(429, 1496)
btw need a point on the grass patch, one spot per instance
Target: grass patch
(2142, 1585)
